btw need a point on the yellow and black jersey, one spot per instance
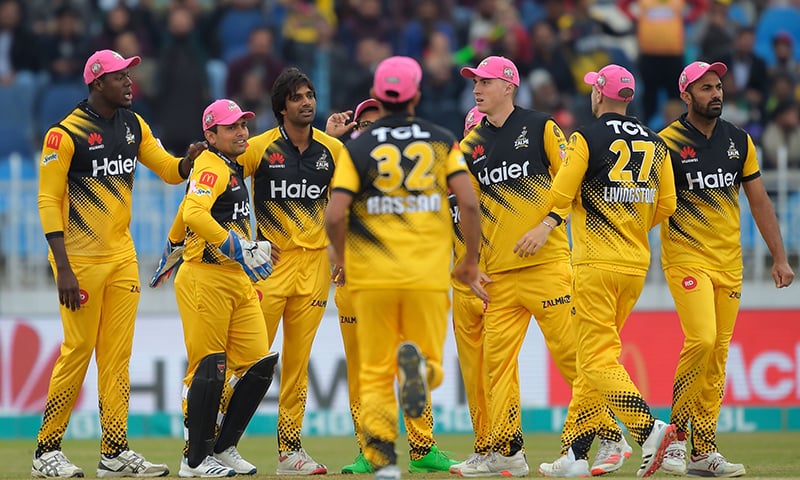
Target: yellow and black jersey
(513, 168)
(705, 230)
(291, 189)
(400, 230)
(459, 247)
(217, 201)
(86, 177)
(618, 177)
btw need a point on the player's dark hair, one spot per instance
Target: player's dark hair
(395, 107)
(287, 83)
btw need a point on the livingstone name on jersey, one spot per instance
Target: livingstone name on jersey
(503, 173)
(408, 204)
(283, 189)
(629, 195)
(118, 166)
(711, 180)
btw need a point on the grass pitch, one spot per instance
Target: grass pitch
(765, 455)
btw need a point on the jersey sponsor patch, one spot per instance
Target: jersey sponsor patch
(53, 140)
(208, 178)
(196, 189)
(53, 156)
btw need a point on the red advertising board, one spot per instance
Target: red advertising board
(763, 361)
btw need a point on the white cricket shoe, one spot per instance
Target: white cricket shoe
(231, 458)
(473, 459)
(675, 458)
(610, 456)
(498, 465)
(714, 465)
(299, 463)
(565, 466)
(389, 472)
(654, 447)
(208, 468)
(129, 464)
(55, 464)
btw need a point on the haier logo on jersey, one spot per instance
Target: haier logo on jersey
(688, 155)
(117, 166)
(631, 128)
(95, 141)
(283, 189)
(522, 140)
(400, 133)
(503, 173)
(711, 180)
(242, 208)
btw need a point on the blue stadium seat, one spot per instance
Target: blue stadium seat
(55, 101)
(14, 139)
(792, 232)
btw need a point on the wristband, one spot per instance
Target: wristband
(551, 227)
(556, 217)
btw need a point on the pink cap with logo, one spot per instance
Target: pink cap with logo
(365, 105)
(613, 81)
(695, 70)
(224, 112)
(473, 118)
(106, 61)
(396, 79)
(494, 67)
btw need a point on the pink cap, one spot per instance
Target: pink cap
(106, 61)
(494, 67)
(397, 79)
(613, 81)
(224, 112)
(473, 118)
(365, 105)
(695, 70)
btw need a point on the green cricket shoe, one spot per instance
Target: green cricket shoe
(434, 461)
(359, 465)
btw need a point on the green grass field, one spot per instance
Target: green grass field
(765, 455)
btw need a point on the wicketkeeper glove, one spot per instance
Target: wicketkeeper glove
(171, 259)
(254, 257)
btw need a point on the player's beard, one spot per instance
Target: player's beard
(708, 110)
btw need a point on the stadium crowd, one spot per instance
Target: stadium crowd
(197, 50)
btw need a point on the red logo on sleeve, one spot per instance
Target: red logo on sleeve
(208, 178)
(689, 283)
(53, 140)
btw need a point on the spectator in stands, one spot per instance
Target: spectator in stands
(259, 60)
(430, 18)
(301, 30)
(441, 85)
(19, 48)
(144, 85)
(661, 30)
(349, 84)
(749, 72)
(367, 20)
(235, 24)
(783, 48)
(783, 131)
(182, 82)
(548, 99)
(715, 33)
(120, 19)
(783, 88)
(66, 49)
(548, 55)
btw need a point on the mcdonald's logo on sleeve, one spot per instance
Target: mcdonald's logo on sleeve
(53, 140)
(208, 178)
